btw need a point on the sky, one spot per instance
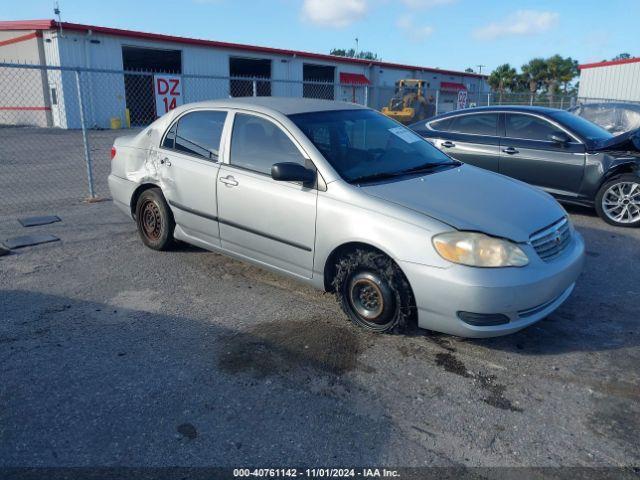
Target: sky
(451, 34)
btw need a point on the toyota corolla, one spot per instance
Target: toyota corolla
(345, 199)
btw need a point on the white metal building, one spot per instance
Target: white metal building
(207, 67)
(614, 80)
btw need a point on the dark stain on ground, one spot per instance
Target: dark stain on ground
(452, 364)
(278, 348)
(188, 431)
(493, 391)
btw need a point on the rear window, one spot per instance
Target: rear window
(475, 124)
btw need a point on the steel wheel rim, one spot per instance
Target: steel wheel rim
(370, 298)
(151, 220)
(621, 202)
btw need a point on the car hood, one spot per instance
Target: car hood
(469, 198)
(627, 142)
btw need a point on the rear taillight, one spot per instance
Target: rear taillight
(113, 152)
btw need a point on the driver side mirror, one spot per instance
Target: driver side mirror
(293, 172)
(559, 137)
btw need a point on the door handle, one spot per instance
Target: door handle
(448, 144)
(229, 180)
(165, 161)
(510, 151)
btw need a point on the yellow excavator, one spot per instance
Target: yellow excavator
(408, 104)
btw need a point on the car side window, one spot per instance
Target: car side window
(256, 144)
(528, 127)
(198, 134)
(475, 124)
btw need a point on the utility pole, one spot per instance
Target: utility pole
(479, 82)
(356, 53)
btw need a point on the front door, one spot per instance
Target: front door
(188, 162)
(527, 153)
(265, 220)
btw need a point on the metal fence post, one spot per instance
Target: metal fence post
(437, 101)
(255, 88)
(366, 95)
(85, 140)
(488, 99)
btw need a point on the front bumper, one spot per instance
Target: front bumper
(525, 295)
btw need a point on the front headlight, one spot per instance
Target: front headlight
(479, 250)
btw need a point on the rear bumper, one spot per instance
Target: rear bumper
(121, 191)
(524, 295)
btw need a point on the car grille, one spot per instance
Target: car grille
(551, 241)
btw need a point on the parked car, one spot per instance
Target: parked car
(615, 117)
(573, 159)
(347, 200)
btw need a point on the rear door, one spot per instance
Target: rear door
(189, 163)
(269, 221)
(472, 138)
(527, 153)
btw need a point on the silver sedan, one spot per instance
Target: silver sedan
(349, 201)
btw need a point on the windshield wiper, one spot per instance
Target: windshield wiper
(427, 166)
(375, 176)
(385, 175)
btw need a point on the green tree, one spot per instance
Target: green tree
(351, 53)
(533, 76)
(622, 56)
(570, 71)
(560, 71)
(503, 78)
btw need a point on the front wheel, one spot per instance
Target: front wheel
(373, 292)
(155, 220)
(618, 201)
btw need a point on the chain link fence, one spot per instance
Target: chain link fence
(57, 125)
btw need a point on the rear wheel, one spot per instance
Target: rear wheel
(618, 201)
(373, 292)
(155, 220)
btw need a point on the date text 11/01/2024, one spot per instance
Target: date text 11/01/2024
(315, 473)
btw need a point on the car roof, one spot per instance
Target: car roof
(282, 105)
(496, 108)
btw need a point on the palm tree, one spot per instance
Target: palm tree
(570, 71)
(502, 78)
(560, 71)
(533, 76)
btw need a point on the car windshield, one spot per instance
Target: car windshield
(364, 145)
(584, 128)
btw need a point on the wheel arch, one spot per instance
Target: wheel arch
(620, 169)
(329, 269)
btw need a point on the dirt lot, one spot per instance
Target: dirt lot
(113, 354)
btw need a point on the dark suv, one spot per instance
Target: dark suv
(570, 157)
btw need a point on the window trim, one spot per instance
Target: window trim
(278, 124)
(194, 155)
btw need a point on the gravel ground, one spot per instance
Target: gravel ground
(112, 354)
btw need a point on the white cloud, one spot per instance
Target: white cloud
(334, 13)
(419, 4)
(409, 28)
(522, 22)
